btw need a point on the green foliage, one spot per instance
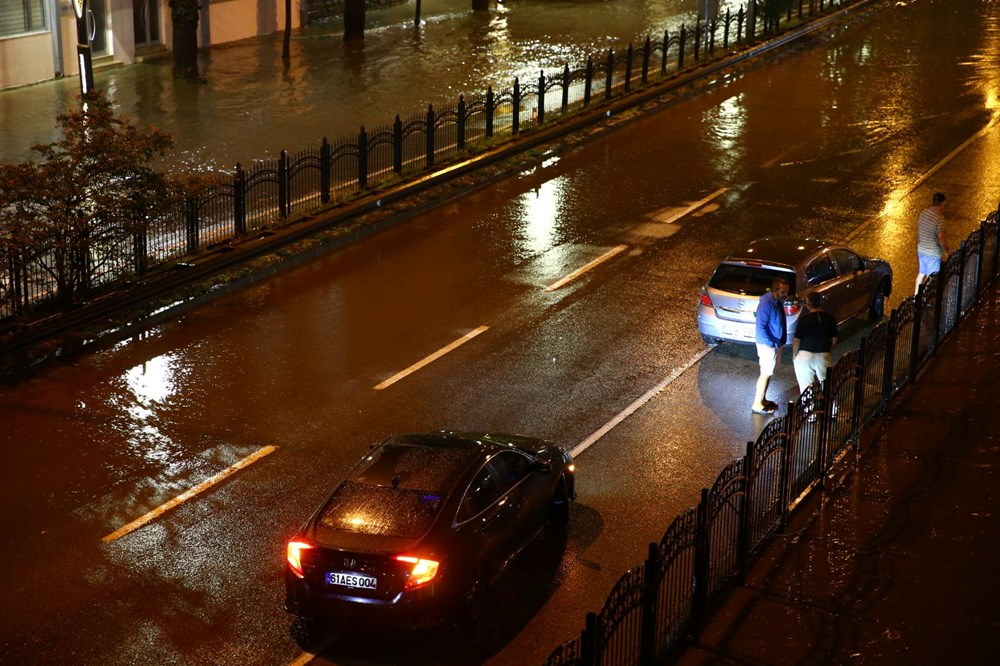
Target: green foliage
(74, 214)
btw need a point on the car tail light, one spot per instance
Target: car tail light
(422, 573)
(705, 299)
(295, 550)
(792, 307)
(571, 468)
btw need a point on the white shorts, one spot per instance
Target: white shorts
(767, 357)
(810, 367)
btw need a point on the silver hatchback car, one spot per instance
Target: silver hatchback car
(849, 283)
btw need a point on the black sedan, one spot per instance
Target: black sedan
(423, 525)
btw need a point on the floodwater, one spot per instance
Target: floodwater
(252, 105)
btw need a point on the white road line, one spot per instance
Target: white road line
(580, 271)
(920, 181)
(183, 497)
(433, 357)
(642, 400)
(695, 206)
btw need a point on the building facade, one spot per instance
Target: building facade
(38, 37)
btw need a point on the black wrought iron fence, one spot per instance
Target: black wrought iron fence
(660, 605)
(270, 191)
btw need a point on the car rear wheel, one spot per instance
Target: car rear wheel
(876, 309)
(709, 340)
(559, 508)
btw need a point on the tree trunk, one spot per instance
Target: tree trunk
(354, 19)
(286, 49)
(184, 15)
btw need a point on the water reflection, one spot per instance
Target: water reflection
(150, 384)
(254, 104)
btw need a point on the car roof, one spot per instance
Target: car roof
(425, 462)
(788, 250)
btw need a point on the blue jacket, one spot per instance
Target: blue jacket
(771, 329)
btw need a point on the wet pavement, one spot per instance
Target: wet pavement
(252, 104)
(898, 564)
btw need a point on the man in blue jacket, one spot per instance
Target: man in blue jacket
(771, 332)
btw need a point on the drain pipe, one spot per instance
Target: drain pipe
(55, 20)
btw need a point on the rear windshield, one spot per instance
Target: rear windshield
(749, 280)
(381, 511)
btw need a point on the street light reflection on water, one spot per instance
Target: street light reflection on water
(254, 104)
(151, 384)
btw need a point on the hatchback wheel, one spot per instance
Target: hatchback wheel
(876, 310)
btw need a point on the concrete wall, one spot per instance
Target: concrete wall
(232, 20)
(26, 59)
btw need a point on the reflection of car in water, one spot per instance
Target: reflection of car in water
(849, 284)
(423, 525)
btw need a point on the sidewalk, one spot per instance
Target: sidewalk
(899, 564)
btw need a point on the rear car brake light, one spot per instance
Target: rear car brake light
(792, 307)
(422, 573)
(295, 550)
(706, 300)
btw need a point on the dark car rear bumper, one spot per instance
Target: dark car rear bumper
(423, 607)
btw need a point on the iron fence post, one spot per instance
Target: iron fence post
(784, 482)
(697, 39)
(710, 37)
(628, 67)
(663, 60)
(918, 309)
(191, 224)
(324, 171)
(490, 102)
(140, 248)
(859, 396)
(939, 288)
(430, 135)
(824, 429)
(283, 203)
(961, 280)
(889, 363)
(996, 244)
(397, 145)
(609, 72)
(588, 82)
(646, 50)
(565, 89)
(515, 123)
(741, 18)
(681, 40)
(699, 599)
(650, 581)
(362, 159)
(725, 30)
(743, 537)
(751, 21)
(240, 200)
(588, 648)
(979, 259)
(541, 98)
(460, 129)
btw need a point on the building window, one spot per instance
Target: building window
(20, 16)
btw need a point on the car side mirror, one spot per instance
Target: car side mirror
(542, 467)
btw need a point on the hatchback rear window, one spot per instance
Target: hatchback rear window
(749, 280)
(381, 511)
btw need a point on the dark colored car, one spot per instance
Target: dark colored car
(423, 525)
(849, 283)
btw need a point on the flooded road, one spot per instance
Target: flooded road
(252, 105)
(839, 140)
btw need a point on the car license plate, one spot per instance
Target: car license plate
(351, 579)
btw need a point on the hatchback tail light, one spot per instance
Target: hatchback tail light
(295, 550)
(705, 299)
(792, 307)
(423, 571)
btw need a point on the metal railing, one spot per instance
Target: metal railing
(269, 192)
(660, 605)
